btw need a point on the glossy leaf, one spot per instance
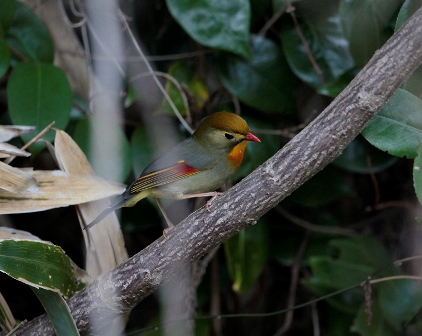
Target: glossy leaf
(397, 128)
(218, 24)
(417, 175)
(330, 275)
(4, 57)
(363, 250)
(399, 301)
(246, 254)
(187, 80)
(323, 188)
(362, 158)
(38, 264)
(28, 36)
(58, 312)
(83, 137)
(264, 83)
(355, 260)
(406, 11)
(37, 95)
(413, 84)
(324, 35)
(365, 24)
(334, 88)
(378, 325)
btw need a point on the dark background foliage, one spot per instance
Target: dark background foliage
(279, 64)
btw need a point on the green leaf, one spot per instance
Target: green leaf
(7, 13)
(406, 11)
(264, 83)
(417, 175)
(356, 259)
(58, 312)
(399, 301)
(354, 158)
(83, 137)
(38, 264)
(4, 57)
(334, 88)
(247, 254)
(330, 275)
(323, 188)
(28, 36)
(142, 149)
(377, 327)
(218, 24)
(413, 84)
(363, 250)
(37, 95)
(337, 274)
(324, 35)
(365, 24)
(187, 80)
(397, 128)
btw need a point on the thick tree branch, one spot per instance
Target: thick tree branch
(119, 290)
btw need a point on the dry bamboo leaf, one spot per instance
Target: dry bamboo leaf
(10, 132)
(16, 180)
(3, 156)
(57, 189)
(105, 244)
(9, 233)
(8, 322)
(10, 149)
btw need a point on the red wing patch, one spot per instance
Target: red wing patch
(163, 176)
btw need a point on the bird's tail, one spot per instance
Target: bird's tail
(118, 202)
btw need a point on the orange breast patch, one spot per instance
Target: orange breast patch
(236, 155)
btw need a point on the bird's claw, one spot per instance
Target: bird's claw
(208, 204)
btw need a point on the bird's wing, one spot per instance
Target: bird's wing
(163, 176)
(173, 166)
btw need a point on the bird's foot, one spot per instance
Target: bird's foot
(208, 204)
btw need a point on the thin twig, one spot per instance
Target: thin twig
(290, 9)
(313, 227)
(148, 65)
(394, 277)
(272, 20)
(33, 140)
(16, 328)
(315, 319)
(175, 82)
(293, 286)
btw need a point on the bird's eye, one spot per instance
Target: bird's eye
(228, 136)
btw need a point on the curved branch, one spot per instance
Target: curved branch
(119, 290)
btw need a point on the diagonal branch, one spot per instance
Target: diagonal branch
(119, 290)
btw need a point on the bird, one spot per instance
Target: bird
(196, 167)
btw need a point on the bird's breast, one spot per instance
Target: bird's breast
(235, 157)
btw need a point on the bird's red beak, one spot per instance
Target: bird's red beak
(251, 137)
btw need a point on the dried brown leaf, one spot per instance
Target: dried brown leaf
(105, 244)
(57, 189)
(12, 150)
(10, 132)
(16, 180)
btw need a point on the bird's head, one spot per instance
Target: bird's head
(222, 131)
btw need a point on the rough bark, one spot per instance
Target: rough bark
(119, 290)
